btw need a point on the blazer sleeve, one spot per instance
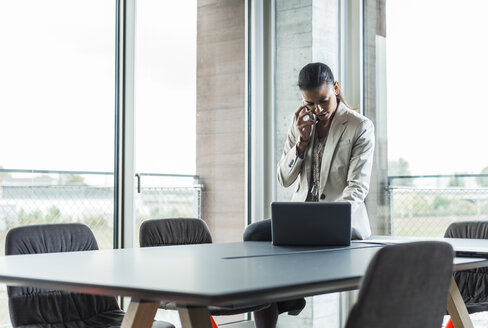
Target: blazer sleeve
(290, 163)
(360, 166)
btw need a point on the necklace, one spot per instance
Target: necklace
(318, 151)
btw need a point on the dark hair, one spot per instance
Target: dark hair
(313, 75)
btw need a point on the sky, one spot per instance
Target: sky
(436, 82)
(57, 85)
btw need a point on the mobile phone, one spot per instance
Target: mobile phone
(311, 117)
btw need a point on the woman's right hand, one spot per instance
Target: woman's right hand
(304, 122)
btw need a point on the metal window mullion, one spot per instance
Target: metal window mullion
(271, 79)
(249, 114)
(124, 172)
(255, 67)
(351, 75)
(261, 117)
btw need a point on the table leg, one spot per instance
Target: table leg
(457, 309)
(140, 314)
(194, 317)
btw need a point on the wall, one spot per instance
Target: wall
(221, 120)
(306, 31)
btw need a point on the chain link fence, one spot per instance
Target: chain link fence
(428, 212)
(87, 197)
(91, 205)
(426, 205)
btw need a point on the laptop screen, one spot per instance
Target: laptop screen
(311, 223)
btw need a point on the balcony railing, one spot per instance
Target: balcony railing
(46, 196)
(426, 205)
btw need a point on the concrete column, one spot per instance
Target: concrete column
(221, 116)
(306, 31)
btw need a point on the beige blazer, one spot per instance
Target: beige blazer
(346, 165)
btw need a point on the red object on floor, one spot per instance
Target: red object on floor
(449, 324)
(214, 325)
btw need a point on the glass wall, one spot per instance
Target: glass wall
(57, 91)
(57, 111)
(165, 110)
(436, 71)
(165, 86)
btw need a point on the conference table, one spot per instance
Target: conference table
(222, 274)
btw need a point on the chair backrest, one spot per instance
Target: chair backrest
(36, 306)
(167, 232)
(405, 285)
(473, 284)
(468, 229)
(258, 231)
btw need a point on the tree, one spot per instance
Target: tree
(53, 214)
(71, 179)
(463, 207)
(483, 181)
(3, 174)
(400, 167)
(441, 203)
(420, 205)
(456, 181)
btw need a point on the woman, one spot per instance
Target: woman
(329, 151)
(329, 148)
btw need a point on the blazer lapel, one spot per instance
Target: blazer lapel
(335, 133)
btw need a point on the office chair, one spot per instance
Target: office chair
(183, 231)
(405, 286)
(36, 307)
(473, 284)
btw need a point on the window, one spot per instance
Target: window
(57, 100)
(165, 86)
(57, 91)
(165, 110)
(57, 107)
(436, 72)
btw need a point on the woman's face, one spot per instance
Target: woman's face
(322, 100)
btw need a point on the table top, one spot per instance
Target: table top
(473, 249)
(206, 274)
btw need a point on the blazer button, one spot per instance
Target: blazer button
(322, 196)
(291, 163)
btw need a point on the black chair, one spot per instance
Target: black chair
(184, 231)
(35, 307)
(261, 231)
(405, 286)
(473, 284)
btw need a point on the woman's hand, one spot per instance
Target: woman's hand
(304, 122)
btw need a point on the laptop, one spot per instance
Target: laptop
(311, 223)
